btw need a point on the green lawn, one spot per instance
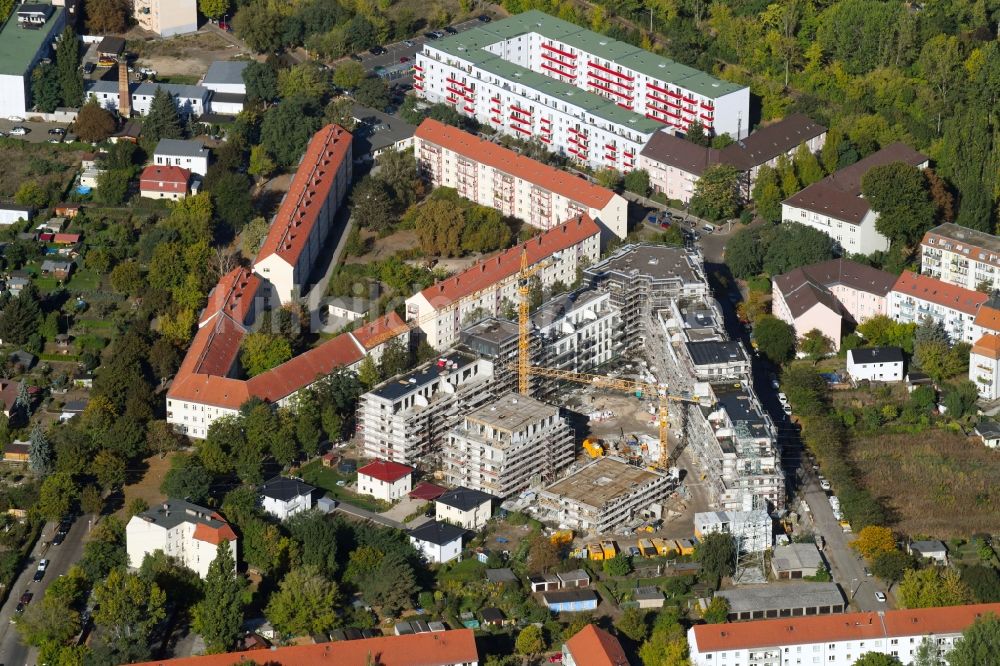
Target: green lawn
(327, 477)
(83, 280)
(93, 324)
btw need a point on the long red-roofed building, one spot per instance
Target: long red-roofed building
(831, 640)
(492, 281)
(916, 298)
(435, 648)
(306, 214)
(515, 185)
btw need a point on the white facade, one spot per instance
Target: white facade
(166, 18)
(984, 366)
(387, 491)
(11, 214)
(284, 498)
(861, 367)
(493, 281)
(181, 530)
(917, 298)
(471, 519)
(30, 43)
(752, 528)
(856, 238)
(961, 256)
(190, 100)
(581, 94)
(579, 331)
(493, 176)
(438, 553)
(191, 155)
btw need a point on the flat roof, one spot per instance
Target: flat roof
(659, 262)
(601, 481)
(512, 413)
(709, 352)
(777, 596)
(795, 556)
(18, 45)
(226, 71)
(394, 389)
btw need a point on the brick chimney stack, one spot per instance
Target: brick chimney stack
(124, 97)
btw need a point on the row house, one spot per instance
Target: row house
(919, 298)
(961, 256)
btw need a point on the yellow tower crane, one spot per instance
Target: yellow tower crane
(523, 322)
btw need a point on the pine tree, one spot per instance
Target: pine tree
(39, 452)
(219, 616)
(163, 121)
(68, 64)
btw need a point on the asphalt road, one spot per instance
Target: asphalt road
(401, 49)
(12, 651)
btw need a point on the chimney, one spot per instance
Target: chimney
(124, 98)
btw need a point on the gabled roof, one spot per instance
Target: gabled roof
(495, 269)
(437, 648)
(437, 533)
(386, 470)
(988, 345)
(304, 369)
(158, 177)
(232, 296)
(373, 334)
(500, 158)
(181, 148)
(877, 355)
(464, 499)
(839, 194)
(592, 646)
(310, 188)
(283, 489)
(941, 293)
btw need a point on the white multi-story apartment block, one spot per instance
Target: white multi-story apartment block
(582, 94)
(406, 418)
(918, 298)
(491, 282)
(675, 164)
(832, 640)
(508, 445)
(306, 214)
(190, 155)
(961, 256)
(579, 331)
(835, 206)
(166, 18)
(984, 366)
(515, 185)
(182, 530)
(25, 39)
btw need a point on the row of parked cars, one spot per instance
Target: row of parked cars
(64, 526)
(430, 34)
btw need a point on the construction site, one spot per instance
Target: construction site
(618, 407)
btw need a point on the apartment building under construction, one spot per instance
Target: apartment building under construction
(507, 445)
(406, 418)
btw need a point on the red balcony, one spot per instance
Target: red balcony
(451, 98)
(545, 139)
(496, 120)
(689, 100)
(546, 121)
(418, 68)
(470, 109)
(673, 115)
(626, 86)
(708, 106)
(656, 87)
(689, 112)
(656, 118)
(609, 90)
(454, 91)
(573, 130)
(519, 129)
(658, 98)
(556, 71)
(549, 47)
(578, 142)
(557, 61)
(514, 107)
(707, 118)
(675, 95)
(627, 107)
(610, 146)
(519, 120)
(611, 71)
(418, 86)
(452, 79)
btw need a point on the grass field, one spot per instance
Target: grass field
(938, 483)
(327, 477)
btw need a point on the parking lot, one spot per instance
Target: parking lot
(407, 48)
(38, 132)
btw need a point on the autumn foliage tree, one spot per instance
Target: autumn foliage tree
(873, 541)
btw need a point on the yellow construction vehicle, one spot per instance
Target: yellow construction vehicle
(593, 447)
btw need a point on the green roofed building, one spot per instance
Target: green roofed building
(582, 94)
(25, 39)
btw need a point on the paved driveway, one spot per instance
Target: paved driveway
(399, 50)
(39, 132)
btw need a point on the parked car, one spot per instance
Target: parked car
(868, 572)
(377, 50)
(483, 18)
(408, 42)
(40, 571)
(26, 598)
(225, 26)
(787, 409)
(555, 659)
(708, 228)
(431, 35)
(825, 485)
(880, 596)
(58, 131)
(355, 57)
(88, 68)
(19, 131)
(15, 119)
(450, 30)
(782, 398)
(404, 59)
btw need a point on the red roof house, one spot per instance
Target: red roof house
(592, 646)
(164, 182)
(385, 480)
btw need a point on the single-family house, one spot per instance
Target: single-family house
(165, 182)
(931, 550)
(464, 507)
(189, 154)
(796, 560)
(283, 497)
(876, 364)
(570, 601)
(989, 430)
(57, 269)
(17, 281)
(592, 646)
(438, 542)
(492, 617)
(385, 480)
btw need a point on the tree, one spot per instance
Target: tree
(31, 194)
(932, 587)
(40, 455)
(127, 609)
(717, 554)
(767, 194)
(112, 187)
(187, 479)
(874, 541)
(308, 79)
(928, 653)
(807, 167)
(979, 645)
(48, 620)
(960, 399)
(717, 194)
(214, 9)
(368, 373)
(877, 659)
(543, 555)
(816, 344)
(287, 128)
(940, 63)
(373, 92)
(218, 617)
(372, 205)
(109, 469)
(891, 566)
(349, 75)
(261, 164)
(775, 338)
(108, 16)
(261, 79)
(68, 64)
(317, 535)
(230, 198)
(637, 181)
(717, 611)
(262, 351)
(530, 641)
(126, 278)
(667, 645)
(56, 496)
(163, 120)
(91, 501)
(898, 193)
(610, 178)
(395, 359)
(46, 91)
(619, 565)
(696, 134)
(633, 624)
(305, 603)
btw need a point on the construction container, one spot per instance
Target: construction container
(561, 538)
(596, 552)
(646, 548)
(662, 547)
(610, 549)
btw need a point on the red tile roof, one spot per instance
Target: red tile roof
(932, 290)
(66, 239)
(427, 491)
(988, 317)
(233, 295)
(304, 369)
(519, 166)
(843, 627)
(988, 345)
(493, 269)
(438, 648)
(592, 646)
(221, 348)
(158, 178)
(214, 535)
(310, 188)
(373, 334)
(386, 470)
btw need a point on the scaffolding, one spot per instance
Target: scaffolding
(749, 556)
